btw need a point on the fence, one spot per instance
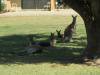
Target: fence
(35, 4)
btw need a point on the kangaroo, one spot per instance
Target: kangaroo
(37, 47)
(52, 39)
(51, 42)
(59, 35)
(45, 44)
(69, 30)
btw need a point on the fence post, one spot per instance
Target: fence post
(53, 5)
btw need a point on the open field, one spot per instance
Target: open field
(61, 60)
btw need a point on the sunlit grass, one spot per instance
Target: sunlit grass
(48, 69)
(39, 24)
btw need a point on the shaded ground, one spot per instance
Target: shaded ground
(11, 46)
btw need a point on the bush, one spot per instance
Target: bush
(2, 6)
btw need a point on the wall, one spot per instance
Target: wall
(13, 5)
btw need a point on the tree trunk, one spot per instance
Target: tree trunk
(93, 39)
(93, 31)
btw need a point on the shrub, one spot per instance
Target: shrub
(2, 7)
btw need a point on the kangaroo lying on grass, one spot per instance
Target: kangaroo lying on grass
(37, 47)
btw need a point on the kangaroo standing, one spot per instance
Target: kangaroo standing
(69, 30)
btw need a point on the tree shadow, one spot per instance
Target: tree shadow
(80, 41)
(11, 46)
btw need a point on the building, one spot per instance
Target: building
(17, 5)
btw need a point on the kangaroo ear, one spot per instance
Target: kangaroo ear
(73, 16)
(52, 33)
(56, 30)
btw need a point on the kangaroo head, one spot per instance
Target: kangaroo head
(74, 17)
(58, 32)
(73, 21)
(52, 36)
(52, 39)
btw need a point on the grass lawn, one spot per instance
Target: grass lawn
(61, 60)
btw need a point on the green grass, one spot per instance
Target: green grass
(61, 60)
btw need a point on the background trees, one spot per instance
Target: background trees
(2, 5)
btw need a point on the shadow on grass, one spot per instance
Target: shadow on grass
(10, 46)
